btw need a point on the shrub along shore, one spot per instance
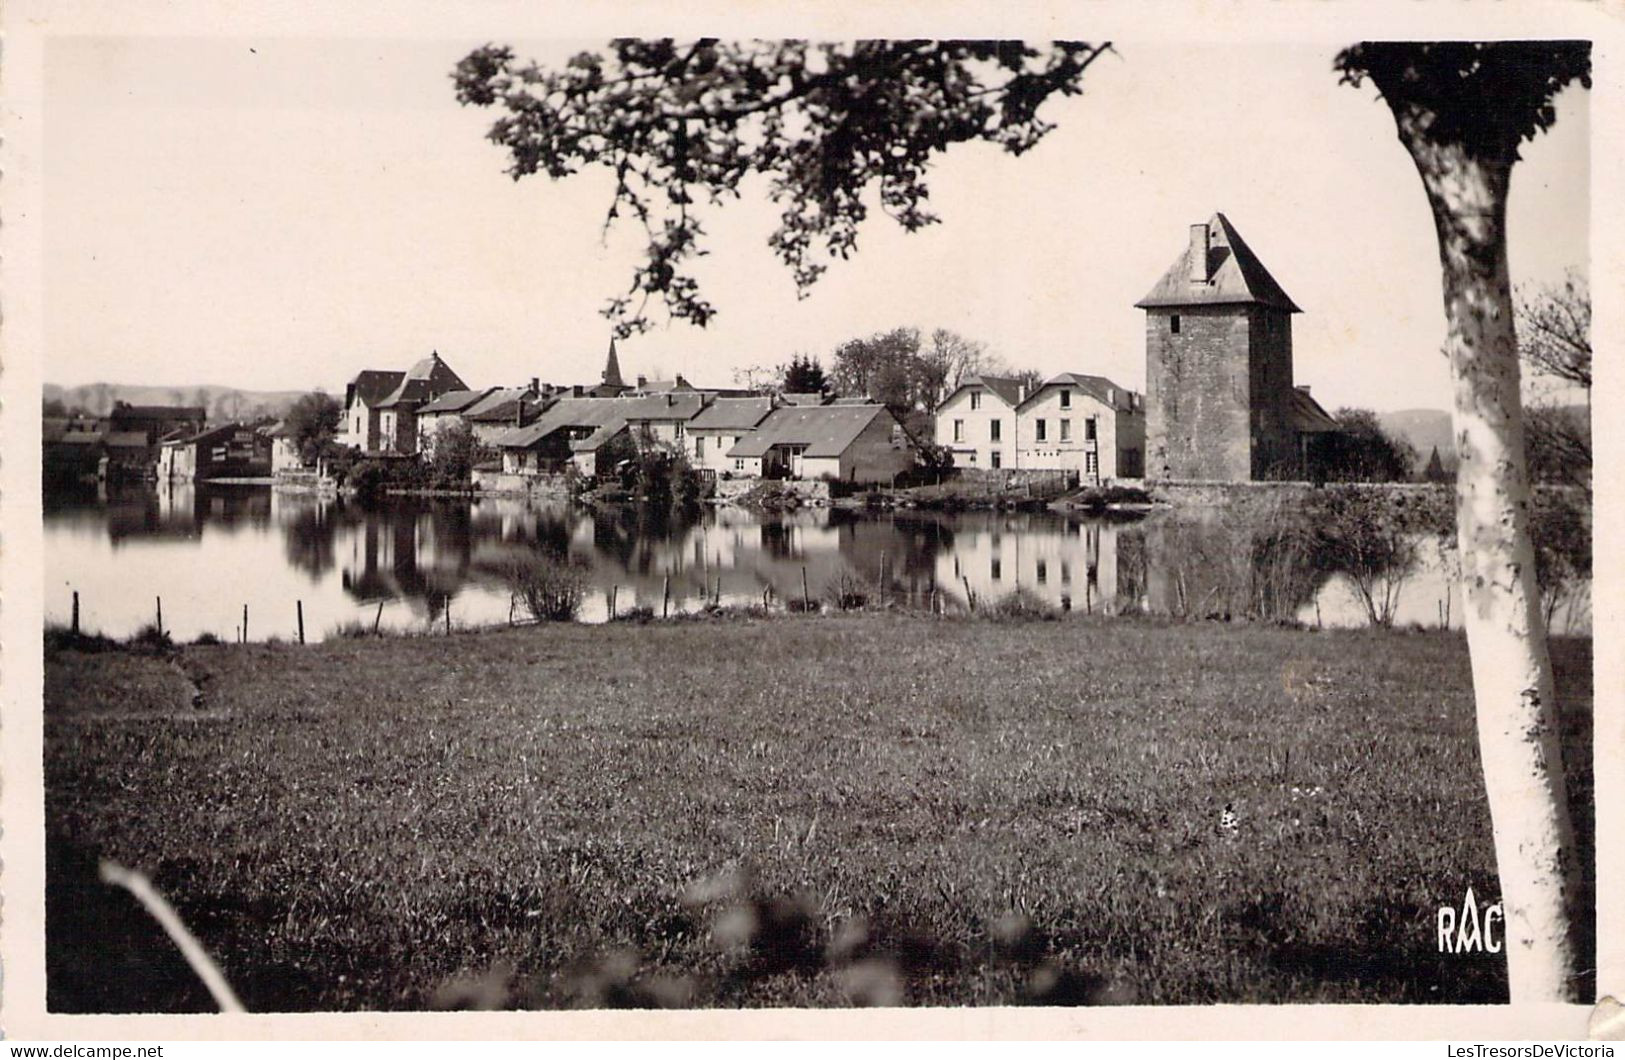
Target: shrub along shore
(858, 808)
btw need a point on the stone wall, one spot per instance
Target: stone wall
(559, 485)
(1198, 394)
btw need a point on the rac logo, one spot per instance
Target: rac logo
(1471, 929)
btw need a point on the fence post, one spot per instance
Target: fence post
(75, 626)
(970, 597)
(379, 617)
(665, 598)
(882, 577)
(245, 623)
(613, 590)
(160, 615)
(806, 600)
(448, 618)
(299, 607)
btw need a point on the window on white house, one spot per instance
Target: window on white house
(1066, 430)
(1066, 573)
(997, 570)
(994, 430)
(1089, 429)
(1066, 399)
(1173, 323)
(1041, 431)
(699, 447)
(1043, 572)
(994, 459)
(975, 400)
(959, 430)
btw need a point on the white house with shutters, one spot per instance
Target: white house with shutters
(1072, 422)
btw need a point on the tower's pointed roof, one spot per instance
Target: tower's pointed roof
(612, 367)
(1235, 276)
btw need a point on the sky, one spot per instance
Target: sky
(282, 213)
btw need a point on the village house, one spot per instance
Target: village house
(1220, 400)
(502, 408)
(126, 455)
(229, 451)
(380, 408)
(444, 411)
(285, 455)
(977, 421)
(723, 425)
(846, 443)
(71, 449)
(1082, 423)
(155, 421)
(546, 447)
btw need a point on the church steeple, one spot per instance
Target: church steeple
(612, 367)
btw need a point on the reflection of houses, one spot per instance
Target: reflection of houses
(1220, 402)
(231, 451)
(846, 443)
(723, 425)
(1072, 565)
(380, 408)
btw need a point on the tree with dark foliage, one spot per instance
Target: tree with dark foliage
(1461, 110)
(804, 375)
(681, 125)
(1363, 452)
(312, 422)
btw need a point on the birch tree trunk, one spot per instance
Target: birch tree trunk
(1518, 735)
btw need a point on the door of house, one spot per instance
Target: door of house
(795, 461)
(1091, 465)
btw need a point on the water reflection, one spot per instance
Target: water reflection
(211, 550)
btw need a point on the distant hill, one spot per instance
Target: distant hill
(1424, 429)
(221, 402)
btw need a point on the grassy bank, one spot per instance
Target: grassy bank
(866, 808)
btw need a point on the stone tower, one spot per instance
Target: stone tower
(1218, 365)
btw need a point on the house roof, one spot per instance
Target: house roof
(732, 414)
(804, 397)
(1098, 387)
(826, 430)
(126, 440)
(157, 412)
(497, 404)
(1006, 388)
(571, 412)
(1308, 417)
(1236, 276)
(370, 387)
(606, 416)
(454, 401)
(204, 435)
(420, 383)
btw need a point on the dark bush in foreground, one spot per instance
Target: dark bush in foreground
(548, 588)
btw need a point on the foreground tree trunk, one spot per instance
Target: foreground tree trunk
(1518, 734)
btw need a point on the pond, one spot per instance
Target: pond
(209, 551)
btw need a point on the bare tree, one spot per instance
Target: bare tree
(1462, 110)
(1554, 331)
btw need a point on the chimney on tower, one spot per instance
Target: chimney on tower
(1201, 241)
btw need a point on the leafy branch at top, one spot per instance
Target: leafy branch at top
(681, 125)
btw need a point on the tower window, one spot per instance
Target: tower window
(1173, 323)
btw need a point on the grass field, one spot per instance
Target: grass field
(809, 811)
